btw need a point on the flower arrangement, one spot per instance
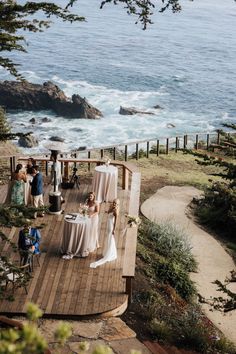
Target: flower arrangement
(107, 161)
(133, 220)
(83, 209)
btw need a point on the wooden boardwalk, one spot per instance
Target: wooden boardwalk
(70, 288)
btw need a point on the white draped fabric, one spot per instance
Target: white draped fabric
(105, 183)
(76, 239)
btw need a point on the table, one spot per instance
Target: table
(75, 240)
(104, 183)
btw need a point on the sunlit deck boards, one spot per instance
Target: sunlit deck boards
(69, 287)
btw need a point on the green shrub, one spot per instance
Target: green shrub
(172, 243)
(174, 274)
(161, 330)
(189, 330)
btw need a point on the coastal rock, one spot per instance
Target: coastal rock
(27, 96)
(28, 141)
(131, 111)
(157, 106)
(57, 138)
(170, 125)
(46, 120)
(32, 120)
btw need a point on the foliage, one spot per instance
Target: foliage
(16, 17)
(169, 257)
(17, 216)
(218, 208)
(5, 131)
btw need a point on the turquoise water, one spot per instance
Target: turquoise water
(184, 62)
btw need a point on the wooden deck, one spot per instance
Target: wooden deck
(70, 288)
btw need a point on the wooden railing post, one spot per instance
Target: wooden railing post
(158, 147)
(167, 146)
(114, 153)
(66, 170)
(185, 141)
(126, 152)
(147, 149)
(11, 164)
(102, 153)
(128, 288)
(208, 141)
(89, 157)
(137, 152)
(176, 144)
(196, 143)
(125, 178)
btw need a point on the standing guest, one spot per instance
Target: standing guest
(109, 251)
(93, 210)
(29, 168)
(18, 180)
(28, 242)
(37, 190)
(31, 162)
(56, 170)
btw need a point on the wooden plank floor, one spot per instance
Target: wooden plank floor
(70, 288)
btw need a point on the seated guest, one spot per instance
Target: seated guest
(28, 242)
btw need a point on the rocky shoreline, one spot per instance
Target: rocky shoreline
(23, 95)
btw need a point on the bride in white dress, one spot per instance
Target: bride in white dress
(109, 252)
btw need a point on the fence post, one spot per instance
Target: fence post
(114, 153)
(89, 157)
(167, 146)
(196, 143)
(185, 141)
(126, 152)
(208, 141)
(158, 147)
(137, 152)
(147, 149)
(125, 178)
(102, 153)
(176, 144)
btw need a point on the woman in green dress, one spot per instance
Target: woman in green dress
(18, 188)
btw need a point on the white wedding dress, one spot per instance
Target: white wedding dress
(110, 252)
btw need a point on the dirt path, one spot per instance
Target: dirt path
(169, 203)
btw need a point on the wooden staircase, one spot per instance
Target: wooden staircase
(156, 348)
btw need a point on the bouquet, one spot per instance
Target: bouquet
(107, 161)
(133, 220)
(83, 209)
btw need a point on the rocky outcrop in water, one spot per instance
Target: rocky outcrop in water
(28, 141)
(129, 111)
(24, 95)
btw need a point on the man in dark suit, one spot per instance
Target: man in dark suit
(37, 190)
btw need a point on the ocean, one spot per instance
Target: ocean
(185, 62)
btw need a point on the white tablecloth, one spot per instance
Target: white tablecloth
(75, 240)
(105, 183)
